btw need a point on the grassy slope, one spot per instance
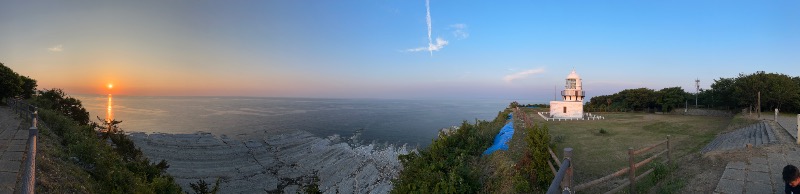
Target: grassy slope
(53, 173)
(597, 155)
(76, 161)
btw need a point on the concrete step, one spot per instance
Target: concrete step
(760, 133)
(770, 134)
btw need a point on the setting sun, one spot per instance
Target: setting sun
(110, 86)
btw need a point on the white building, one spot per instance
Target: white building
(571, 105)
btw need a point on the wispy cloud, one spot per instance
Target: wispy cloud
(440, 43)
(522, 74)
(460, 31)
(56, 48)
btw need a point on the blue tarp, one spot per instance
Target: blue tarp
(501, 140)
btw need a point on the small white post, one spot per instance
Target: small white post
(776, 115)
(798, 128)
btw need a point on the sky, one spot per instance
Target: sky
(397, 49)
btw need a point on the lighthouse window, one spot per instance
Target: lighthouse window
(565, 109)
(571, 83)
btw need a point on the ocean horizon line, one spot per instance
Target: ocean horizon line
(521, 101)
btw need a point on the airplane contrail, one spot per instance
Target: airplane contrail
(428, 17)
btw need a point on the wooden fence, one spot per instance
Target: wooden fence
(564, 174)
(632, 167)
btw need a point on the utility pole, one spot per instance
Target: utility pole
(697, 91)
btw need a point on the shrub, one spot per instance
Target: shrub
(449, 164)
(201, 187)
(603, 131)
(538, 139)
(559, 138)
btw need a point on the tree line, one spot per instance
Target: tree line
(776, 91)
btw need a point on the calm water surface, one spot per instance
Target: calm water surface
(394, 121)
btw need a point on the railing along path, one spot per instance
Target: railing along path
(28, 180)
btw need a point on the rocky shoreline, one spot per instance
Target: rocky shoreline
(275, 164)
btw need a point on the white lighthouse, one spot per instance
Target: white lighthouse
(571, 104)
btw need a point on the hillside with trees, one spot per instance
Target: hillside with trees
(777, 91)
(73, 156)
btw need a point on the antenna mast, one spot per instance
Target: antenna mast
(697, 91)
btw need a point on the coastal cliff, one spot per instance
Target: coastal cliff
(283, 163)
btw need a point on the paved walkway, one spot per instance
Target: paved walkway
(761, 171)
(13, 141)
(789, 123)
(758, 175)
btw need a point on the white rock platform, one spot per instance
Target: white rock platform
(276, 164)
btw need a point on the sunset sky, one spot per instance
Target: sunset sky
(388, 49)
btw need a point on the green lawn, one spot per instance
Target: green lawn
(598, 154)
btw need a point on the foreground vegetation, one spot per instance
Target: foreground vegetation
(450, 163)
(72, 157)
(454, 163)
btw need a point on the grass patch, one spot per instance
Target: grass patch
(667, 127)
(596, 155)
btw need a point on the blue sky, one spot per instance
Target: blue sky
(361, 49)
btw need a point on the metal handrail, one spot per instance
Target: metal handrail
(29, 171)
(563, 179)
(555, 185)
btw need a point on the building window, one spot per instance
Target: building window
(571, 83)
(565, 109)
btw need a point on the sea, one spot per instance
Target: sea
(386, 121)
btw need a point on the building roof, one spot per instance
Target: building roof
(573, 75)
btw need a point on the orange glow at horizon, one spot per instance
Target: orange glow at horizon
(110, 86)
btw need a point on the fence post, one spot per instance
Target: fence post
(566, 183)
(34, 115)
(669, 151)
(798, 128)
(632, 171)
(776, 115)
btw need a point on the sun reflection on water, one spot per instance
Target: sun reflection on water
(109, 111)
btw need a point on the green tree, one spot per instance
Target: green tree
(781, 90)
(10, 82)
(28, 87)
(747, 87)
(669, 98)
(56, 99)
(638, 99)
(723, 92)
